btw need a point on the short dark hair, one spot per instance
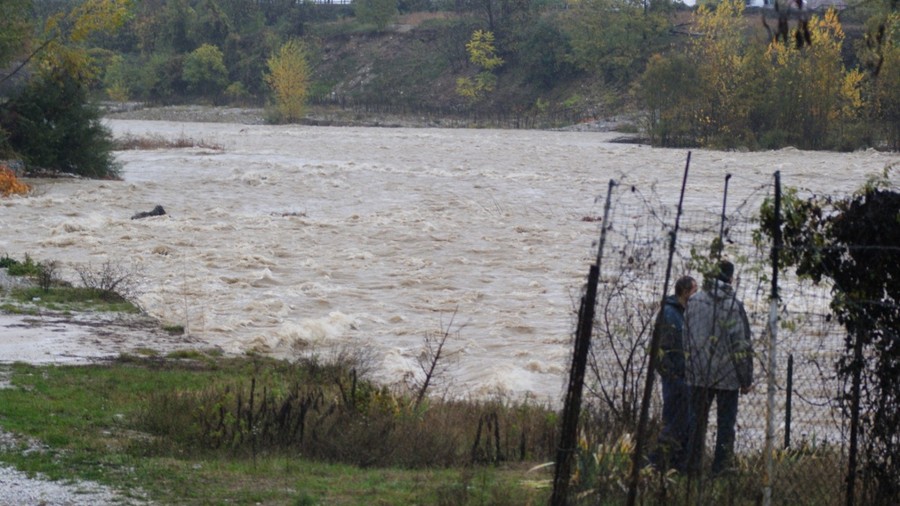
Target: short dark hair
(725, 271)
(684, 285)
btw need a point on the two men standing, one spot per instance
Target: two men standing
(718, 366)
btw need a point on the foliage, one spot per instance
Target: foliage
(91, 423)
(27, 267)
(115, 79)
(204, 71)
(376, 12)
(483, 54)
(15, 27)
(66, 34)
(852, 243)
(882, 50)
(10, 184)
(613, 38)
(329, 412)
(672, 106)
(816, 96)
(53, 126)
(545, 53)
(289, 79)
(729, 92)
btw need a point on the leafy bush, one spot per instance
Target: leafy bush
(9, 184)
(27, 267)
(52, 125)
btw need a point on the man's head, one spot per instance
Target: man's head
(725, 271)
(684, 288)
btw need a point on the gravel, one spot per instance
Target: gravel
(19, 488)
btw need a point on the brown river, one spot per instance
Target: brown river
(295, 240)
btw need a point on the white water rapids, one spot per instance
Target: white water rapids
(296, 239)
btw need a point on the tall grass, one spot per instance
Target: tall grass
(326, 412)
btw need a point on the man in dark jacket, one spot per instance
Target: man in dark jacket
(673, 438)
(719, 364)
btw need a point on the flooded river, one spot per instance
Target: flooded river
(294, 240)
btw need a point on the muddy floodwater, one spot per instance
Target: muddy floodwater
(294, 240)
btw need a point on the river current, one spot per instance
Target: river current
(296, 240)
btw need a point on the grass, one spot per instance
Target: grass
(66, 299)
(91, 420)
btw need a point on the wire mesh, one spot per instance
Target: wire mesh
(810, 432)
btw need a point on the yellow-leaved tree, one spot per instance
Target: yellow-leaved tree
(64, 49)
(482, 54)
(719, 54)
(816, 96)
(288, 78)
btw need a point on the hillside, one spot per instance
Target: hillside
(411, 70)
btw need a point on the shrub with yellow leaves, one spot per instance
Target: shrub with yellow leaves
(10, 184)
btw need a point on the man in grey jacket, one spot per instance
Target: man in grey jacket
(718, 365)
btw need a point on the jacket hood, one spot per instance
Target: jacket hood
(719, 289)
(672, 300)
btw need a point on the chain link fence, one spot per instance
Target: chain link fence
(792, 442)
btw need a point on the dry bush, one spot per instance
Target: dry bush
(147, 142)
(112, 281)
(328, 412)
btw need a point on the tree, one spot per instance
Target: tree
(52, 125)
(613, 38)
(814, 96)
(377, 12)
(50, 122)
(67, 34)
(204, 71)
(14, 28)
(881, 55)
(482, 54)
(853, 244)
(288, 78)
(672, 107)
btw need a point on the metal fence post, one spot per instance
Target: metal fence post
(572, 410)
(773, 363)
(641, 435)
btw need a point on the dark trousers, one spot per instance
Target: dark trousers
(726, 420)
(676, 418)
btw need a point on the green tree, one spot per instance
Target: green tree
(614, 38)
(65, 48)
(882, 53)
(204, 71)
(851, 244)
(376, 12)
(719, 54)
(289, 79)
(482, 54)
(50, 122)
(52, 125)
(115, 80)
(672, 107)
(15, 26)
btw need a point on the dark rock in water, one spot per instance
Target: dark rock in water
(157, 211)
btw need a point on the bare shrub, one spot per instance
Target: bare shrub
(112, 281)
(147, 142)
(432, 360)
(47, 274)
